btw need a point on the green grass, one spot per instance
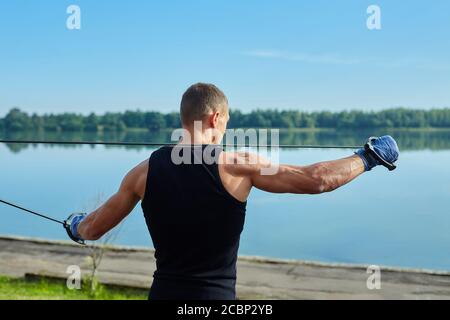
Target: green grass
(21, 289)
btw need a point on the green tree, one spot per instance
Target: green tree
(154, 121)
(91, 123)
(71, 122)
(172, 120)
(17, 120)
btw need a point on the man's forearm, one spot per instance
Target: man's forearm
(87, 230)
(336, 173)
(101, 220)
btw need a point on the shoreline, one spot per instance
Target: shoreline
(257, 277)
(249, 258)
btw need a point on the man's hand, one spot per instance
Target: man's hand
(379, 151)
(71, 226)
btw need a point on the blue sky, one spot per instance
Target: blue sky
(306, 55)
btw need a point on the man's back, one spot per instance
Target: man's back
(195, 212)
(195, 225)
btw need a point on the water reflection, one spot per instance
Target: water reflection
(407, 139)
(382, 218)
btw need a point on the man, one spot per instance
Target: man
(195, 212)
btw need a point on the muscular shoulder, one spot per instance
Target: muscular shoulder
(242, 163)
(136, 179)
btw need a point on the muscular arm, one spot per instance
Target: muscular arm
(312, 179)
(118, 206)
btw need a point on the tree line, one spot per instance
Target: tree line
(17, 120)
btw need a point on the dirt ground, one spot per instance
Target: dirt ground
(258, 278)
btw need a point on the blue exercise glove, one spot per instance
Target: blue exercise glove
(71, 226)
(379, 151)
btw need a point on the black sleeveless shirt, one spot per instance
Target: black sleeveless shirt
(195, 225)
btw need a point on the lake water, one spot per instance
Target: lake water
(399, 218)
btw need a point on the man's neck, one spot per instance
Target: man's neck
(191, 136)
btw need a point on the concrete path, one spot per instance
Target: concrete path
(257, 278)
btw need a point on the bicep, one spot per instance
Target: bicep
(121, 203)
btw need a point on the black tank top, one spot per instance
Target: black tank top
(195, 225)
